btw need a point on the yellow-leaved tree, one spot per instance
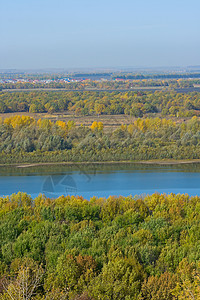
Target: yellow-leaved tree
(97, 126)
(19, 121)
(188, 285)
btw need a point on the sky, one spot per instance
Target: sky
(37, 34)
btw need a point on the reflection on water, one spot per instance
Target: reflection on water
(101, 180)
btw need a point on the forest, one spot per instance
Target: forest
(24, 139)
(134, 103)
(116, 248)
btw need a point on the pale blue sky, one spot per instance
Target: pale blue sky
(92, 33)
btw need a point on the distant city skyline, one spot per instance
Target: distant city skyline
(81, 34)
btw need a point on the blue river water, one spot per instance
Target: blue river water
(95, 181)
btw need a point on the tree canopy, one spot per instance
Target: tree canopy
(115, 248)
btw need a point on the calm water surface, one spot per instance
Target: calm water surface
(101, 181)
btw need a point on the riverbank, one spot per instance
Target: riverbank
(147, 162)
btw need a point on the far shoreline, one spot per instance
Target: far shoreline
(147, 162)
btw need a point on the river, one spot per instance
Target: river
(101, 181)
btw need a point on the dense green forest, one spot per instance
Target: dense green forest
(115, 248)
(23, 139)
(86, 103)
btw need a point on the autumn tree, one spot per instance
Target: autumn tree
(24, 283)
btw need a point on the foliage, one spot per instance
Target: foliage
(115, 248)
(135, 103)
(25, 139)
